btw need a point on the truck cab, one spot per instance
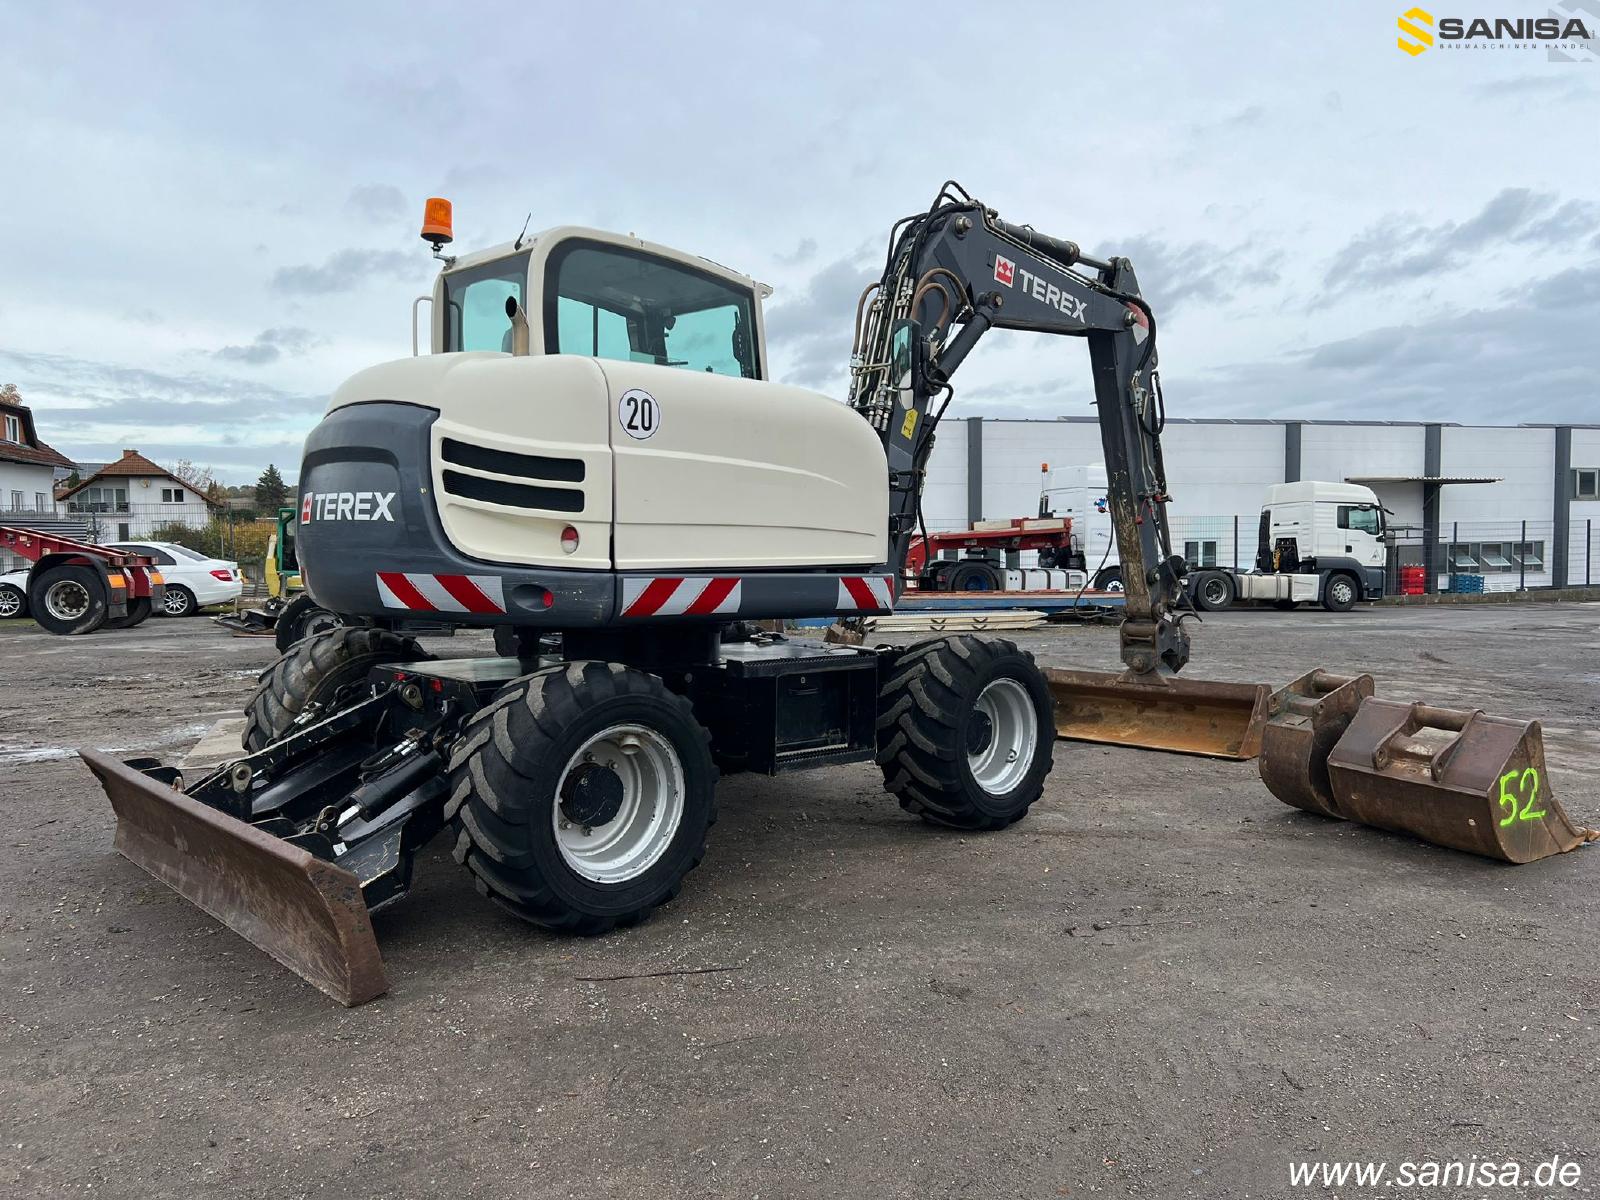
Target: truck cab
(1313, 527)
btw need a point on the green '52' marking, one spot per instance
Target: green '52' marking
(1527, 791)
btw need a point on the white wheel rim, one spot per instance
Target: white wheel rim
(629, 844)
(67, 600)
(321, 622)
(1216, 591)
(1000, 765)
(10, 602)
(174, 601)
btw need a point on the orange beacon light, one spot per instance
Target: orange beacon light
(436, 222)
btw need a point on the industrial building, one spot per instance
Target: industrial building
(1518, 504)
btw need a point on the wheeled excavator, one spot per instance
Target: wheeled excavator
(594, 463)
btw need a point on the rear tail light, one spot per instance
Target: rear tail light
(569, 540)
(225, 576)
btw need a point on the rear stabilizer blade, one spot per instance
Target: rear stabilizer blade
(307, 913)
(1183, 716)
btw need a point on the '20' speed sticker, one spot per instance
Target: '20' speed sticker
(638, 413)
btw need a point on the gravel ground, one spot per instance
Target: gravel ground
(1163, 983)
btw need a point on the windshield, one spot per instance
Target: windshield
(475, 304)
(611, 302)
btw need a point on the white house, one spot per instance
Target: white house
(27, 466)
(131, 497)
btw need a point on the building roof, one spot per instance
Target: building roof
(31, 450)
(131, 464)
(1435, 479)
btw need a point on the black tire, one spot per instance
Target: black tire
(138, 612)
(1047, 558)
(301, 618)
(314, 671)
(972, 577)
(503, 804)
(13, 602)
(928, 725)
(1340, 593)
(1108, 579)
(1213, 592)
(1286, 605)
(178, 601)
(68, 600)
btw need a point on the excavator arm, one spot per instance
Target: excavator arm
(958, 271)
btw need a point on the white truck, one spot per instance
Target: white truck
(1317, 542)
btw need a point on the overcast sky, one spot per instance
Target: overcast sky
(210, 210)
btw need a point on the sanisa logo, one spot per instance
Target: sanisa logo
(1419, 31)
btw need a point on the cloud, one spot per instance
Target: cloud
(804, 252)
(1173, 273)
(378, 202)
(1401, 248)
(269, 346)
(343, 271)
(1512, 362)
(814, 330)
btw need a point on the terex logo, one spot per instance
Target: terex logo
(346, 506)
(1049, 293)
(1004, 270)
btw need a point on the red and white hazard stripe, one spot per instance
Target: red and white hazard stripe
(865, 593)
(678, 596)
(418, 592)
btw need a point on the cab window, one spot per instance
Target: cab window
(475, 304)
(616, 303)
(1362, 518)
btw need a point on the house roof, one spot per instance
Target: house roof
(134, 464)
(31, 450)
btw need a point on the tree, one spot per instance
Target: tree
(9, 394)
(272, 493)
(198, 478)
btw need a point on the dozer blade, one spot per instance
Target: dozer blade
(305, 912)
(1454, 778)
(1184, 716)
(1304, 720)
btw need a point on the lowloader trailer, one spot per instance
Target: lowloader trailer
(593, 464)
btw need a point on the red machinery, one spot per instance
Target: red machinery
(76, 587)
(1051, 536)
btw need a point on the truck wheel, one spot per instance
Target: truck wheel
(1339, 593)
(68, 599)
(973, 577)
(138, 611)
(1108, 580)
(314, 672)
(1213, 592)
(301, 618)
(581, 795)
(965, 732)
(13, 601)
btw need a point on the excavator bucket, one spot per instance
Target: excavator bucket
(305, 912)
(251, 622)
(1305, 719)
(1452, 777)
(1184, 716)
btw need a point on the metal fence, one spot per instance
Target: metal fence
(1507, 556)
